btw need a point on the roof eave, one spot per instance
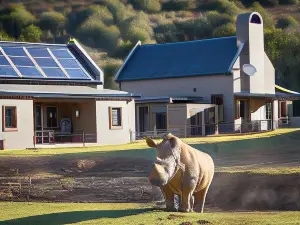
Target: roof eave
(126, 61)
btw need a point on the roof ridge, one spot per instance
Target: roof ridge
(184, 42)
(31, 43)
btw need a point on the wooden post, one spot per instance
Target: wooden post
(83, 137)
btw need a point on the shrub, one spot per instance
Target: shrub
(137, 28)
(97, 34)
(110, 67)
(216, 19)
(222, 6)
(53, 21)
(286, 22)
(146, 5)
(176, 5)
(288, 2)
(268, 2)
(166, 33)
(224, 30)
(4, 36)
(15, 18)
(31, 33)
(267, 18)
(102, 13)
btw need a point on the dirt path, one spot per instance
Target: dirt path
(125, 180)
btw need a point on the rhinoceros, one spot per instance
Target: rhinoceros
(182, 170)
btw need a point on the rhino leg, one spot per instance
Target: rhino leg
(200, 198)
(169, 197)
(187, 200)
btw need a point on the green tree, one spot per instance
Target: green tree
(224, 30)
(31, 33)
(4, 36)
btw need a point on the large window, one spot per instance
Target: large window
(51, 113)
(115, 114)
(269, 111)
(9, 120)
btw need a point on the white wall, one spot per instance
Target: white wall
(107, 136)
(23, 137)
(205, 85)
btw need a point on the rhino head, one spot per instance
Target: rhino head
(167, 157)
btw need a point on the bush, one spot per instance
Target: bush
(267, 18)
(225, 30)
(268, 2)
(53, 21)
(216, 19)
(102, 13)
(97, 34)
(146, 5)
(222, 6)
(286, 22)
(166, 33)
(15, 18)
(137, 28)
(288, 2)
(5, 37)
(176, 5)
(110, 67)
(31, 33)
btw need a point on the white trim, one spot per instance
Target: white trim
(127, 59)
(10, 62)
(34, 62)
(240, 48)
(31, 43)
(80, 67)
(90, 60)
(57, 62)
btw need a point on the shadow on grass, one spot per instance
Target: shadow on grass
(73, 217)
(272, 144)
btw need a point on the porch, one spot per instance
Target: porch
(64, 121)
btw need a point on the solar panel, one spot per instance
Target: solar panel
(46, 62)
(39, 52)
(69, 63)
(22, 61)
(7, 71)
(61, 53)
(54, 73)
(13, 51)
(29, 72)
(77, 74)
(3, 61)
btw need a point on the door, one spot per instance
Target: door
(51, 116)
(143, 118)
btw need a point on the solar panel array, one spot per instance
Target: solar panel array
(47, 62)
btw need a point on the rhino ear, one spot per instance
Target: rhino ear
(173, 142)
(150, 142)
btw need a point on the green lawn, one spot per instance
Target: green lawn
(232, 143)
(89, 213)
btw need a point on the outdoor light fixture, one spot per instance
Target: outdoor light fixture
(77, 113)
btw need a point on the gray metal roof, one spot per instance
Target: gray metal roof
(168, 99)
(60, 91)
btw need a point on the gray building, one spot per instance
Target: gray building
(199, 87)
(53, 95)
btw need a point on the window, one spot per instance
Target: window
(161, 121)
(51, 114)
(269, 111)
(115, 117)
(218, 100)
(9, 118)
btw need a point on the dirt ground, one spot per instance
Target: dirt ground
(125, 180)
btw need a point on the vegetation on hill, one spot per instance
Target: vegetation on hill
(110, 28)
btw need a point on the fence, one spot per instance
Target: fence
(212, 129)
(53, 137)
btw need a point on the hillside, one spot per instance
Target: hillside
(108, 29)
